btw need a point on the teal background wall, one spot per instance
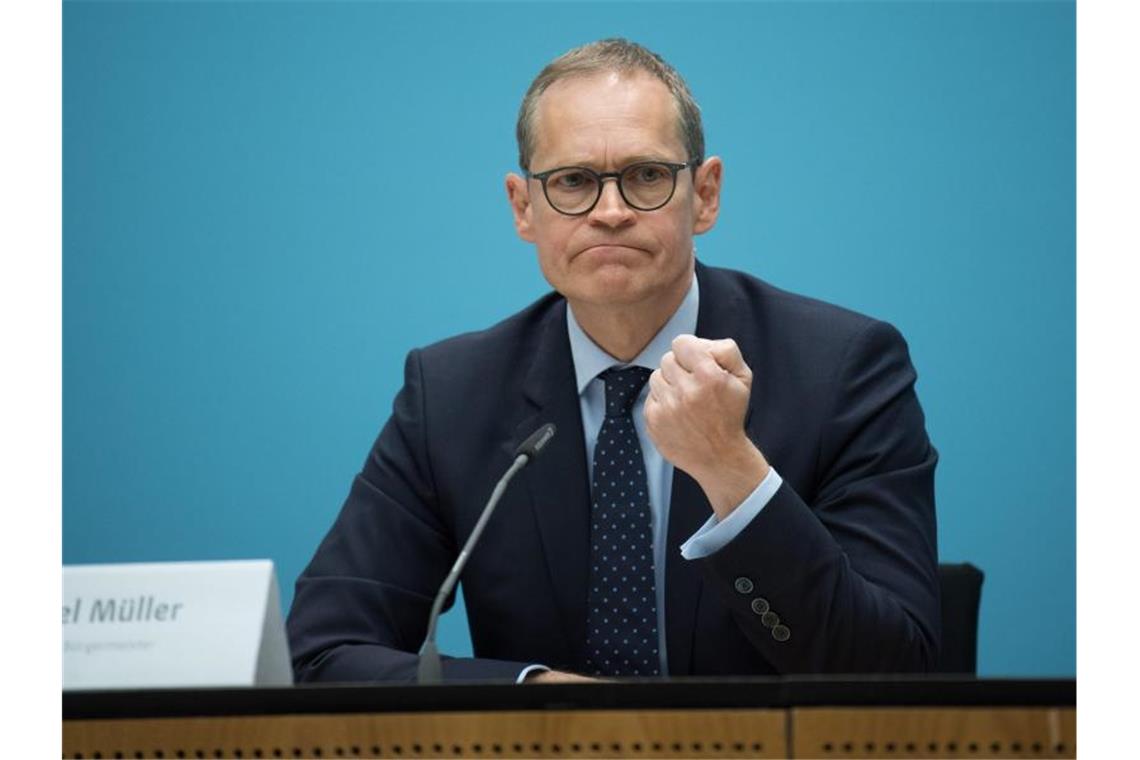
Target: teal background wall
(267, 204)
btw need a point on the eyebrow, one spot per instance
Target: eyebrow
(590, 164)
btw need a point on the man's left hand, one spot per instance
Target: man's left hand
(695, 415)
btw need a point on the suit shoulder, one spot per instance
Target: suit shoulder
(806, 337)
(805, 315)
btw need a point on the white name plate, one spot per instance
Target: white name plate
(173, 624)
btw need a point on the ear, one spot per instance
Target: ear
(706, 194)
(518, 195)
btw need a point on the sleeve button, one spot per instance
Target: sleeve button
(781, 633)
(760, 605)
(743, 585)
(769, 619)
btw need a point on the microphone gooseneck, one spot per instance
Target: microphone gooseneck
(430, 669)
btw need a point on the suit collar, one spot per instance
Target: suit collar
(590, 359)
(553, 361)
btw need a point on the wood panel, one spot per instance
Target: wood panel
(955, 732)
(554, 733)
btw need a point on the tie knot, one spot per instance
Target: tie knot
(622, 387)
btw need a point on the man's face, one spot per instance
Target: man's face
(614, 255)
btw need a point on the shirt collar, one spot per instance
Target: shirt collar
(590, 360)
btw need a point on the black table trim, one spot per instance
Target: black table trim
(735, 693)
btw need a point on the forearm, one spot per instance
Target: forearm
(375, 663)
(843, 610)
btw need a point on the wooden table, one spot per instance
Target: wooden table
(762, 717)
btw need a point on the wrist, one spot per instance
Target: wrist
(530, 672)
(733, 478)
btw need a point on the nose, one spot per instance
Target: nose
(611, 209)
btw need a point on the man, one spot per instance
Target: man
(741, 482)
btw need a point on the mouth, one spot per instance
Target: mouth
(611, 249)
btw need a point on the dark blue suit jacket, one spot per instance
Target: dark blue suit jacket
(844, 553)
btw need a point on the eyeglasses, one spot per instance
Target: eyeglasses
(645, 186)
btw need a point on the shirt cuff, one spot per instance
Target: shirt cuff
(530, 669)
(715, 534)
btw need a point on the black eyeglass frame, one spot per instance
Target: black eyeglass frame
(601, 178)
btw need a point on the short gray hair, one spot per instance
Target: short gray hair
(624, 57)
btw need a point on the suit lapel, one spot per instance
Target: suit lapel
(688, 506)
(688, 510)
(557, 481)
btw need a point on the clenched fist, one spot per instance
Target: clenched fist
(695, 415)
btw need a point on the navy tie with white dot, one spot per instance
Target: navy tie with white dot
(621, 625)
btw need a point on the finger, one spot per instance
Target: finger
(671, 371)
(690, 351)
(727, 355)
(658, 388)
(701, 369)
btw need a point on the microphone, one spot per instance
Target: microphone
(430, 668)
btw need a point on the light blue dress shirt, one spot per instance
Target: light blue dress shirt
(589, 361)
